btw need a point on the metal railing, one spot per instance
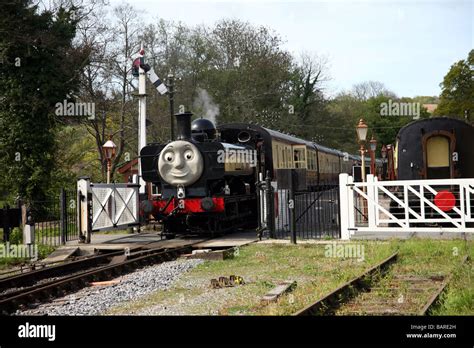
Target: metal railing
(289, 213)
(55, 220)
(315, 212)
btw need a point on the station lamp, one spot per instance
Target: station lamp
(373, 144)
(362, 130)
(384, 152)
(373, 147)
(109, 153)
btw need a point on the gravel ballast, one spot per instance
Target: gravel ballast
(95, 300)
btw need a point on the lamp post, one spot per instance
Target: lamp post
(362, 130)
(109, 152)
(384, 160)
(373, 147)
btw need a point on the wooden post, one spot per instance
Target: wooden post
(269, 205)
(63, 215)
(344, 206)
(291, 205)
(371, 199)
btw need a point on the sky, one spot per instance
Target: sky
(407, 45)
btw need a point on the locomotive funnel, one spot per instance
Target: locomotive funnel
(183, 122)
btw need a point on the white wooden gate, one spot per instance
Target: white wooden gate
(114, 206)
(445, 205)
(103, 207)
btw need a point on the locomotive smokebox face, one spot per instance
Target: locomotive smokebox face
(180, 163)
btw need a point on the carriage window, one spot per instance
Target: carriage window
(288, 157)
(276, 157)
(437, 152)
(299, 156)
(437, 158)
(310, 160)
(283, 157)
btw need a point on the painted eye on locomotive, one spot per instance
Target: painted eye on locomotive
(180, 163)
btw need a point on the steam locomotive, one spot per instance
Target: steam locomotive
(205, 180)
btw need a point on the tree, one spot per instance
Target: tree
(385, 128)
(365, 100)
(457, 95)
(107, 82)
(307, 98)
(40, 66)
(247, 72)
(370, 89)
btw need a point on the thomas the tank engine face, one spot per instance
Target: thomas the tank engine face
(180, 163)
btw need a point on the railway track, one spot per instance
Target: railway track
(33, 276)
(32, 288)
(380, 291)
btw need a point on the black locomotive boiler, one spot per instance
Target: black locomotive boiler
(205, 180)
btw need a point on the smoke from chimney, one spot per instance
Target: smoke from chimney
(205, 106)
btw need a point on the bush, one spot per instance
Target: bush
(16, 236)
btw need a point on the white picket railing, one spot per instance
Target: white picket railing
(405, 206)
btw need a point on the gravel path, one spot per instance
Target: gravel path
(97, 299)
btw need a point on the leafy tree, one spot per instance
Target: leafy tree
(365, 100)
(426, 99)
(457, 95)
(385, 128)
(40, 66)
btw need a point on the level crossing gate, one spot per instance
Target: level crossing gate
(103, 207)
(444, 205)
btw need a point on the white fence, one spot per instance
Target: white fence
(444, 205)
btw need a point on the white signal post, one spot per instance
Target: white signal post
(141, 118)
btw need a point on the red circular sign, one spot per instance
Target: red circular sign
(445, 200)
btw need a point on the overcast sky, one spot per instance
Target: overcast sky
(407, 45)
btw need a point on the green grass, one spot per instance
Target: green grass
(16, 237)
(420, 258)
(446, 257)
(264, 265)
(11, 262)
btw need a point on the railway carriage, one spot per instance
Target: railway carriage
(280, 153)
(435, 148)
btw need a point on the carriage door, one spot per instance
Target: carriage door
(438, 149)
